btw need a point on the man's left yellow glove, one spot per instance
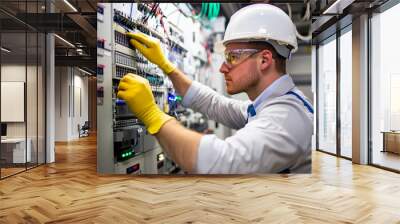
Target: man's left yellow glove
(151, 49)
(136, 92)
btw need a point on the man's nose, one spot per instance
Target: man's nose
(224, 68)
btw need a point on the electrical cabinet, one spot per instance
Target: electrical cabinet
(124, 146)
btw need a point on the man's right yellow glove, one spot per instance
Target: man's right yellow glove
(151, 49)
(136, 92)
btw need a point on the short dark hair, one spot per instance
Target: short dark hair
(279, 59)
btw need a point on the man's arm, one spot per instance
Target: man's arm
(180, 81)
(269, 145)
(201, 98)
(180, 143)
(229, 112)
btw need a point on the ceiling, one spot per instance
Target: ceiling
(76, 24)
(79, 27)
(330, 16)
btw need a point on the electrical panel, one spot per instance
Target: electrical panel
(124, 146)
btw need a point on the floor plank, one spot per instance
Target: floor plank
(70, 191)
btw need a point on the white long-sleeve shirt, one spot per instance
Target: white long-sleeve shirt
(276, 139)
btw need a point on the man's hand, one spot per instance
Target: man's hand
(151, 49)
(136, 92)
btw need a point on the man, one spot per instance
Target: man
(274, 130)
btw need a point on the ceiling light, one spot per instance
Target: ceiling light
(70, 5)
(84, 71)
(65, 41)
(79, 51)
(337, 7)
(5, 50)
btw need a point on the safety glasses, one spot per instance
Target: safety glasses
(237, 56)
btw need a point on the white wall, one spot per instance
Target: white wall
(61, 103)
(14, 72)
(71, 94)
(79, 117)
(17, 72)
(33, 126)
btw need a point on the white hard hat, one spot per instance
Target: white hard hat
(262, 22)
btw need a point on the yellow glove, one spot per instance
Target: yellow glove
(151, 49)
(136, 92)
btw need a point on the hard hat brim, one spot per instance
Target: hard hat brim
(281, 48)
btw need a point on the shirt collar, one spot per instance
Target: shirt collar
(278, 88)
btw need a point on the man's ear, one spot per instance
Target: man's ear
(266, 59)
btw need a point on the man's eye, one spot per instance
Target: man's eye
(233, 58)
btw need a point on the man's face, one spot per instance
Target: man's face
(243, 75)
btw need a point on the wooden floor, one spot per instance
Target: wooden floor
(10, 171)
(70, 191)
(5, 172)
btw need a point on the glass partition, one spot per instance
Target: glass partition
(13, 103)
(22, 67)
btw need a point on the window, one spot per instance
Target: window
(385, 89)
(327, 96)
(346, 75)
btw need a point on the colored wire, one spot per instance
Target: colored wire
(209, 10)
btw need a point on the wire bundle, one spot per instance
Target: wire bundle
(211, 10)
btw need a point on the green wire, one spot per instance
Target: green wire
(209, 10)
(213, 10)
(205, 8)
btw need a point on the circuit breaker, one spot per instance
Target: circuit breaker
(124, 146)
